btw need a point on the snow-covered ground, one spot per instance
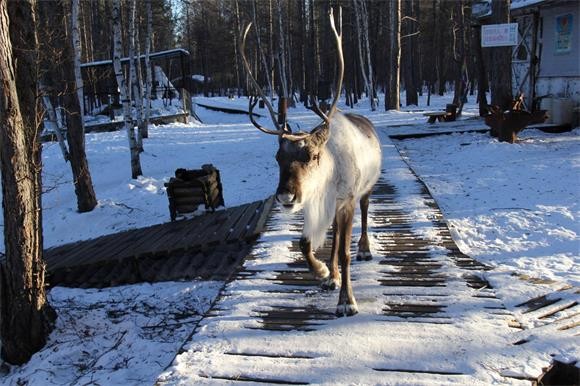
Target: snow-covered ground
(512, 206)
(515, 207)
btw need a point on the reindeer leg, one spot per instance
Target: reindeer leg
(333, 281)
(317, 267)
(346, 302)
(364, 250)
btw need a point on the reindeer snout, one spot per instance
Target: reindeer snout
(286, 198)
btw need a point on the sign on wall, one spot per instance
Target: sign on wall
(499, 35)
(563, 41)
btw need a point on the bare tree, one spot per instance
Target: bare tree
(460, 55)
(282, 53)
(364, 49)
(409, 53)
(392, 101)
(261, 51)
(124, 89)
(26, 318)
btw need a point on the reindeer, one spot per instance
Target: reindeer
(324, 173)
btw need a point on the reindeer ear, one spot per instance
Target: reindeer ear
(320, 136)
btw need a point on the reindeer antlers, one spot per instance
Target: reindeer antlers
(338, 37)
(279, 130)
(340, 61)
(283, 131)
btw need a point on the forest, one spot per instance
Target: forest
(434, 43)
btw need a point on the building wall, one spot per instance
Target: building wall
(559, 72)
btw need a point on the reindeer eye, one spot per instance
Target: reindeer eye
(315, 157)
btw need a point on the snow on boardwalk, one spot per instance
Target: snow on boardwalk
(426, 315)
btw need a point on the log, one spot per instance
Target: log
(185, 192)
(186, 201)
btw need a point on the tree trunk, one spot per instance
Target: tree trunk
(460, 56)
(52, 117)
(282, 54)
(364, 50)
(26, 318)
(259, 48)
(409, 48)
(236, 34)
(86, 198)
(144, 129)
(76, 44)
(392, 101)
(481, 73)
(124, 90)
(271, 49)
(134, 66)
(501, 65)
(439, 48)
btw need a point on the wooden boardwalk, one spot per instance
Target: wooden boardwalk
(418, 284)
(414, 284)
(210, 246)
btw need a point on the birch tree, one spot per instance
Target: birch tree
(283, 93)
(26, 318)
(260, 50)
(392, 101)
(124, 90)
(55, 120)
(134, 64)
(73, 107)
(76, 43)
(148, 76)
(408, 53)
(282, 54)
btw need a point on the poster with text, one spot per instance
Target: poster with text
(564, 25)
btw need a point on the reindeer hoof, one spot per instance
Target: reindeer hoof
(320, 271)
(330, 284)
(346, 310)
(364, 255)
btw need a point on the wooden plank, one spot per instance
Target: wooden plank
(77, 250)
(270, 355)
(294, 316)
(112, 248)
(240, 226)
(204, 233)
(163, 241)
(414, 308)
(412, 371)
(227, 228)
(244, 378)
(558, 307)
(412, 283)
(266, 215)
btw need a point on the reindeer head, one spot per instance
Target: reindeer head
(300, 155)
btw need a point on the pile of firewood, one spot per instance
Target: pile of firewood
(191, 188)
